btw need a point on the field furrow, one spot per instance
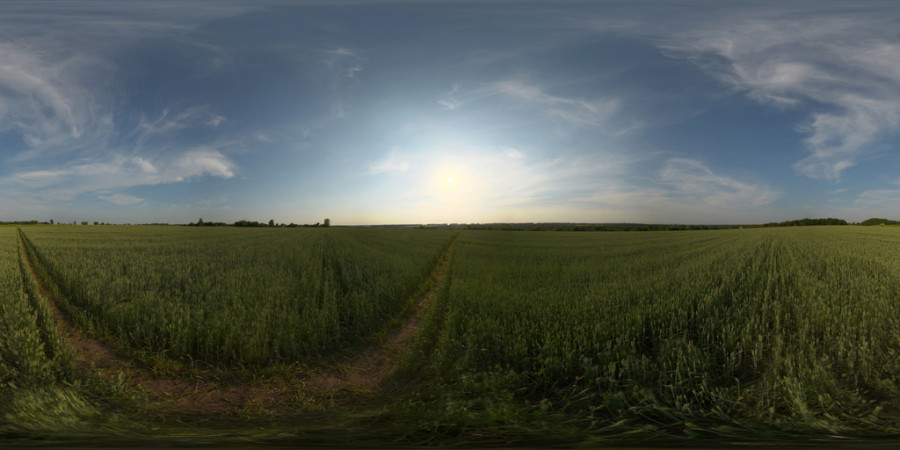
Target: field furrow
(251, 298)
(791, 330)
(217, 391)
(457, 336)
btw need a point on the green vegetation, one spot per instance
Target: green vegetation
(39, 392)
(807, 222)
(876, 221)
(637, 226)
(728, 333)
(230, 296)
(752, 335)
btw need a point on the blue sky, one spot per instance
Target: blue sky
(431, 112)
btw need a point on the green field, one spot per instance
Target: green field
(236, 296)
(730, 336)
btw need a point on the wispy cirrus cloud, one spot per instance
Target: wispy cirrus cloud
(869, 203)
(574, 110)
(57, 63)
(106, 176)
(841, 66)
(393, 163)
(121, 199)
(345, 62)
(60, 96)
(338, 69)
(167, 123)
(52, 103)
(692, 181)
(501, 181)
(879, 199)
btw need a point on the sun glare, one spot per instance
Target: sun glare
(448, 181)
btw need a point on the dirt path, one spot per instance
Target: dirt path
(367, 370)
(89, 353)
(211, 392)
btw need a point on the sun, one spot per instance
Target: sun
(449, 182)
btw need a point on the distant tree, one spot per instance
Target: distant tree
(84, 223)
(877, 221)
(327, 222)
(96, 223)
(51, 221)
(271, 222)
(200, 222)
(248, 223)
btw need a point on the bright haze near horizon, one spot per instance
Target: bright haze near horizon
(436, 112)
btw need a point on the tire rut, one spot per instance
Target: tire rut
(209, 392)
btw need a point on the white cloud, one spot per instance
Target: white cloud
(144, 165)
(846, 67)
(574, 110)
(394, 163)
(57, 66)
(513, 153)
(493, 183)
(200, 162)
(337, 70)
(449, 101)
(119, 172)
(871, 203)
(448, 104)
(51, 103)
(121, 199)
(215, 121)
(577, 111)
(344, 62)
(167, 123)
(879, 199)
(490, 185)
(693, 181)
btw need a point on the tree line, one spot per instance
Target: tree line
(253, 223)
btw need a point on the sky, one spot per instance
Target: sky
(449, 112)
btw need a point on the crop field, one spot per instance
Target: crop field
(485, 337)
(726, 333)
(233, 296)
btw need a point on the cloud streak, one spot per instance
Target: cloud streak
(119, 172)
(166, 123)
(692, 181)
(576, 111)
(393, 163)
(843, 68)
(52, 103)
(121, 199)
(57, 65)
(61, 101)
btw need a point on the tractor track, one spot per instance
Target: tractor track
(214, 392)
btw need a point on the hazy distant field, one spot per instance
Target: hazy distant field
(731, 334)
